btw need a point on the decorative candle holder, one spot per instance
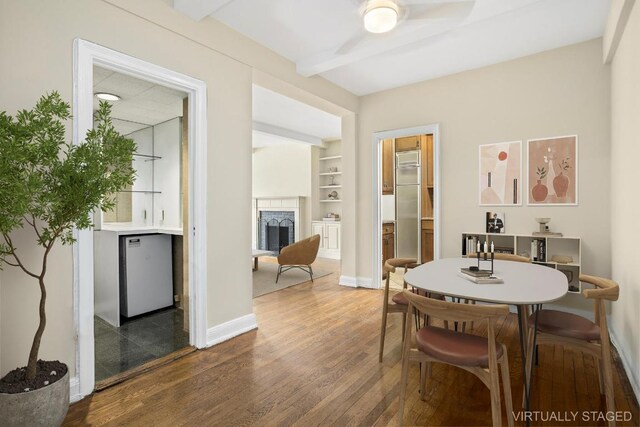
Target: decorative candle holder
(485, 258)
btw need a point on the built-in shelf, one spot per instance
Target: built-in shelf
(329, 200)
(147, 157)
(330, 173)
(141, 191)
(331, 186)
(330, 158)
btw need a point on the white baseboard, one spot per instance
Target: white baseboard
(230, 329)
(74, 390)
(631, 371)
(357, 282)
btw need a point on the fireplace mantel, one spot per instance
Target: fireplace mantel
(293, 204)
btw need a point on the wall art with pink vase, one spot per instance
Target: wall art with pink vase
(500, 174)
(552, 171)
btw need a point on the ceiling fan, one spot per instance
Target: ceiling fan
(381, 16)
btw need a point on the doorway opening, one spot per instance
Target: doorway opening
(139, 253)
(296, 189)
(151, 248)
(406, 196)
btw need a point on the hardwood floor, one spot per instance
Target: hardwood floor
(313, 361)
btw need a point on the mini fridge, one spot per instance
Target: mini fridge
(146, 274)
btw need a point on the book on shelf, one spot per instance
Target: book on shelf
(475, 273)
(482, 280)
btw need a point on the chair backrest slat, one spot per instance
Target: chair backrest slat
(451, 311)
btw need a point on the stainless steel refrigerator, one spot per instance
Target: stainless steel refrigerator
(408, 204)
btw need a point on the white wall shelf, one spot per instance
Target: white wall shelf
(521, 244)
(329, 200)
(330, 173)
(330, 158)
(331, 186)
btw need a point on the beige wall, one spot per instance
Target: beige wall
(559, 92)
(283, 171)
(36, 56)
(625, 227)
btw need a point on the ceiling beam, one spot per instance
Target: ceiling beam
(286, 133)
(199, 9)
(371, 45)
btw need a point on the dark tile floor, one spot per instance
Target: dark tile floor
(137, 341)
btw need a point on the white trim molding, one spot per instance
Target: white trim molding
(227, 330)
(85, 56)
(357, 282)
(74, 389)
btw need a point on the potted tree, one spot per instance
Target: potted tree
(49, 185)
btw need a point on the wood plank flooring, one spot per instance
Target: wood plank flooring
(313, 361)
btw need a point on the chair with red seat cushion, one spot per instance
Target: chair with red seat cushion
(571, 330)
(479, 355)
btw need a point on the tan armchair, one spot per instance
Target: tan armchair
(299, 255)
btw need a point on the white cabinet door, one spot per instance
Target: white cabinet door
(318, 228)
(167, 142)
(332, 236)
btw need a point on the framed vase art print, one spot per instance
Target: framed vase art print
(552, 172)
(500, 174)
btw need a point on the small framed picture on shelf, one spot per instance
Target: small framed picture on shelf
(494, 222)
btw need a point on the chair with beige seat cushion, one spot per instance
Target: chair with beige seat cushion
(397, 303)
(300, 255)
(571, 330)
(479, 355)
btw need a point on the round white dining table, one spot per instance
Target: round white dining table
(524, 284)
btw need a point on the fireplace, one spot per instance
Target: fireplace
(276, 229)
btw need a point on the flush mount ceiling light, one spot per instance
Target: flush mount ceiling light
(107, 96)
(380, 16)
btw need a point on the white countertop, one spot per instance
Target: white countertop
(127, 228)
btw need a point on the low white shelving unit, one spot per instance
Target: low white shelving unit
(540, 249)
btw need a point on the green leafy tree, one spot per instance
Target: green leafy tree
(50, 185)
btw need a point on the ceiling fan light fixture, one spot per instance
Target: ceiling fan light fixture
(107, 96)
(380, 16)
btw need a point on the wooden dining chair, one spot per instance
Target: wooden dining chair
(479, 355)
(397, 303)
(579, 333)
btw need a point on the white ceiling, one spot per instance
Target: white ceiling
(436, 38)
(278, 119)
(141, 103)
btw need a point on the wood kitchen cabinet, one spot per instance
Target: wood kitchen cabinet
(388, 241)
(387, 166)
(427, 240)
(408, 143)
(426, 189)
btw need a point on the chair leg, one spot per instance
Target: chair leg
(403, 386)
(506, 385)
(600, 379)
(529, 361)
(404, 324)
(423, 379)
(607, 373)
(310, 272)
(496, 411)
(383, 330)
(279, 271)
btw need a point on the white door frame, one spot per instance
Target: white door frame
(85, 56)
(377, 138)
